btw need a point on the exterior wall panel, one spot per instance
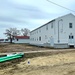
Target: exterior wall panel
(59, 34)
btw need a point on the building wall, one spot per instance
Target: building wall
(49, 34)
(21, 41)
(45, 32)
(64, 30)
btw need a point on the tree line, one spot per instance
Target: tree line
(12, 32)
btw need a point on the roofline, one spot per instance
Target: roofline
(43, 25)
(52, 21)
(65, 15)
(22, 37)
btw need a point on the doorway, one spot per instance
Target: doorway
(52, 41)
(71, 41)
(71, 46)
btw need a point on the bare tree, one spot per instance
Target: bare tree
(25, 31)
(11, 32)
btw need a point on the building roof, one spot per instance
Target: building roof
(43, 25)
(51, 21)
(22, 37)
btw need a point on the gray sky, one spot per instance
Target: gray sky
(30, 13)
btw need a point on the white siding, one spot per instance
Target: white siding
(50, 35)
(64, 36)
(44, 33)
(22, 41)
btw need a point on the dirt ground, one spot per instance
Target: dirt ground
(18, 48)
(60, 63)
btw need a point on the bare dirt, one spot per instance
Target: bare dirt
(18, 48)
(58, 63)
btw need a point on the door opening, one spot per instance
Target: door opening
(71, 40)
(71, 46)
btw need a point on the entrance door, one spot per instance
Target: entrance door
(71, 39)
(51, 41)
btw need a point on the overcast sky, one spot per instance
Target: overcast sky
(30, 13)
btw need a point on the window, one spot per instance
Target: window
(17, 39)
(35, 39)
(39, 38)
(46, 27)
(71, 37)
(52, 25)
(70, 25)
(6, 39)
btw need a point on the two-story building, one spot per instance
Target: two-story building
(58, 33)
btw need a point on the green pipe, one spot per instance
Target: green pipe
(10, 58)
(20, 54)
(2, 59)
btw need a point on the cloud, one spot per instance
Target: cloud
(4, 26)
(30, 13)
(10, 19)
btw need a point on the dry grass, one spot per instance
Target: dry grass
(18, 48)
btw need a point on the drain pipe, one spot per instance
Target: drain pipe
(58, 30)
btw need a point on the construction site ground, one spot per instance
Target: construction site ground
(44, 61)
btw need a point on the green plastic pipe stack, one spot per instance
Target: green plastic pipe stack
(13, 56)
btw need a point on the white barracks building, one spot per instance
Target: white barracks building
(58, 33)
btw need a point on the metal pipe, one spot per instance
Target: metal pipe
(58, 31)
